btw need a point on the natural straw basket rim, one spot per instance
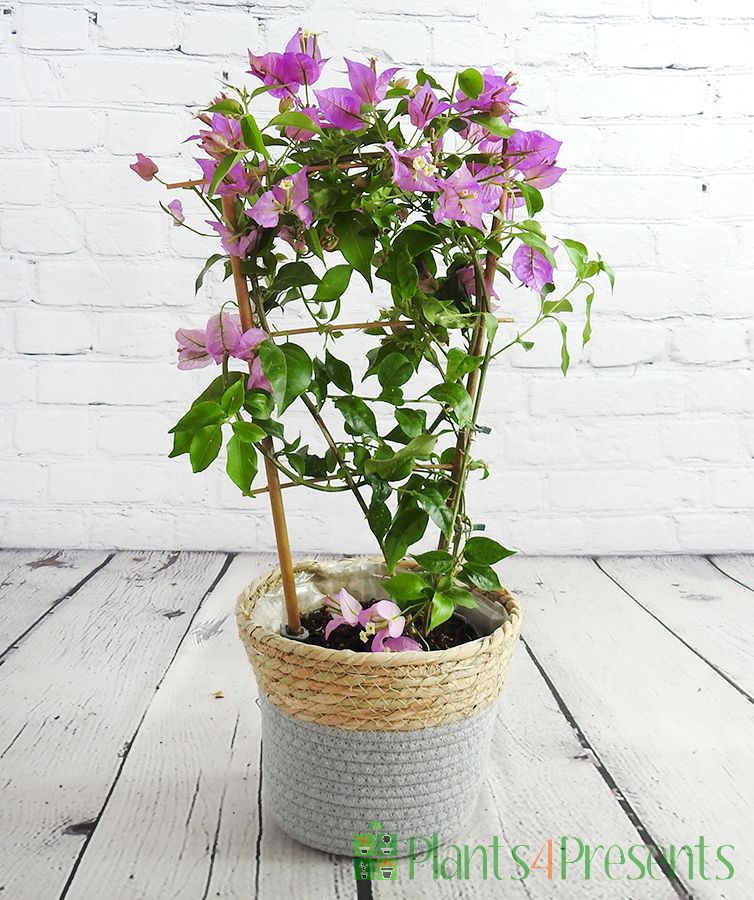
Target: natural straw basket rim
(508, 629)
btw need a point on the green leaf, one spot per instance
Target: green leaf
(223, 167)
(461, 363)
(406, 586)
(493, 124)
(294, 274)
(532, 197)
(205, 268)
(242, 462)
(442, 609)
(232, 399)
(199, 416)
(297, 120)
(400, 464)
(417, 238)
(298, 373)
(252, 136)
(205, 445)
(439, 562)
(355, 235)
(557, 306)
(407, 528)
(411, 421)
(576, 252)
(471, 83)
(248, 432)
(484, 577)
(491, 325)
(434, 503)
(226, 107)
(275, 368)
(338, 372)
(358, 416)
(400, 271)
(181, 444)
(604, 267)
(456, 397)
(217, 387)
(461, 597)
(565, 359)
(379, 518)
(259, 404)
(394, 370)
(587, 333)
(334, 283)
(485, 551)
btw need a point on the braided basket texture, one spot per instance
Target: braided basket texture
(376, 691)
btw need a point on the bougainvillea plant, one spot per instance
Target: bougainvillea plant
(394, 179)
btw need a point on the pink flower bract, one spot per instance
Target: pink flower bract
(144, 167)
(532, 268)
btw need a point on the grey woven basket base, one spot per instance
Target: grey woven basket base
(323, 784)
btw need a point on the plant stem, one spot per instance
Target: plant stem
(307, 401)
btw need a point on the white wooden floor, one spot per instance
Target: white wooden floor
(130, 748)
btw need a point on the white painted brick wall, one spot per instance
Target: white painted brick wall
(646, 446)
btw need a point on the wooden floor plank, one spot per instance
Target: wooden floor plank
(73, 695)
(191, 782)
(33, 581)
(542, 785)
(710, 612)
(672, 733)
(737, 566)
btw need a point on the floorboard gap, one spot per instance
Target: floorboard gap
(678, 637)
(678, 886)
(77, 587)
(727, 574)
(215, 581)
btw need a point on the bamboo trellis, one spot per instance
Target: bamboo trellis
(274, 488)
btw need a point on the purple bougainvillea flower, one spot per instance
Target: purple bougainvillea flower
(341, 108)
(234, 244)
(368, 86)
(345, 610)
(534, 154)
(257, 378)
(222, 138)
(467, 279)
(384, 620)
(532, 268)
(395, 645)
(495, 98)
(176, 211)
(144, 167)
(192, 348)
(425, 106)
(289, 195)
(222, 335)
(247, 344)
(305, 46)
(301, 64)
(413, 170)
(237, 181)
(464, 199)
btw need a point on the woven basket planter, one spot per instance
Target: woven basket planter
(401, 738)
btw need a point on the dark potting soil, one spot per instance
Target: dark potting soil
(450, 634)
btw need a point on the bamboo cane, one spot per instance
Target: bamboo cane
(293, 613)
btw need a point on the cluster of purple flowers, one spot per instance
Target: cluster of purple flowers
(465, 195)
(382, 622)
(222, 337)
